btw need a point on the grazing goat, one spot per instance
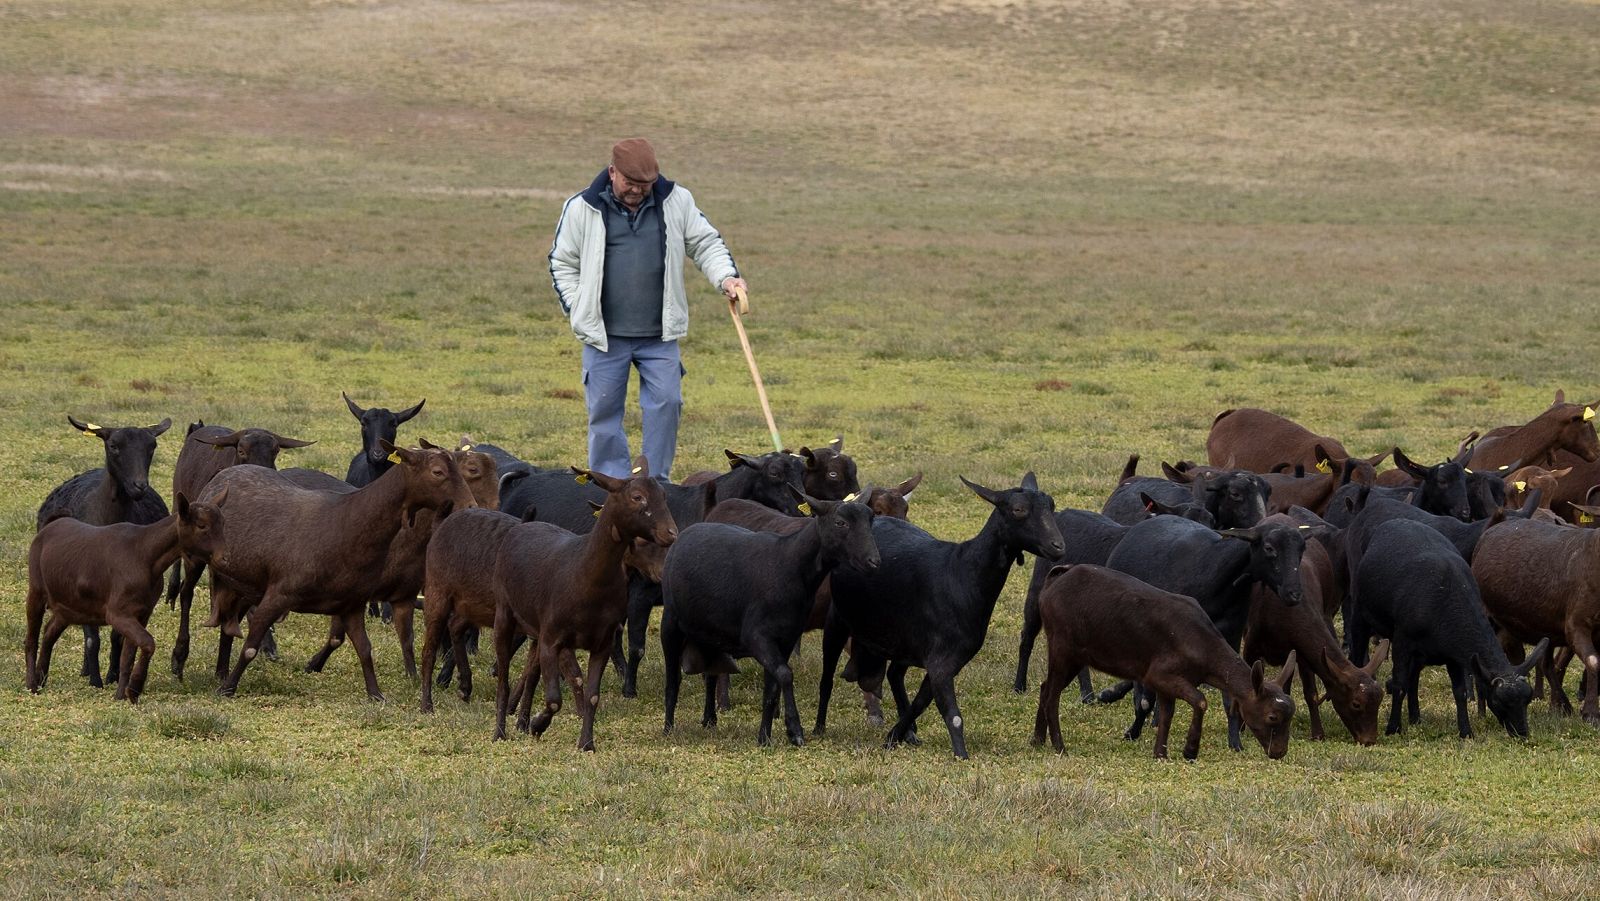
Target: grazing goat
(1217, 570)
(378, 425)
(1414, 588)
(1541, 582)
(203, 455)
(1089, 538)
(308, 551)
(1275, 630)
(569, 592)
(109, 575)
(1101, 618)
(737, 593)
(1254, 439)
(118, 492)
(930, 602)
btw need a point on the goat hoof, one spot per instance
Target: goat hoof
(629, 691)
(875, 720)
(587, 747)
(226, 691)
(377, 697)
(798, 741)
(1089, 698)
(911, 739)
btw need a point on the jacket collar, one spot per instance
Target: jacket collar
(591, 194)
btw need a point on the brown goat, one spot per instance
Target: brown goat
(570, 592)
(110, 576)
(1274, 631)
(1562, 427)
(1254, 439)
(203, 455)
(304, 551)
(1098, 617)
(1528, 479)
(403, 571)
(1542, 581)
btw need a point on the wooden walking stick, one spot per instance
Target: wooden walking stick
(739, 304)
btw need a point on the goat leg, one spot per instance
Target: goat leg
(1582, 643)
(907, 722)
(1031, 624)
(672, 658)
(403, 612)
(91, 656)
(336, 636)
(355, 626)
(261, 616)
(1458, 688)
(590, 696)
(180, 644)
(896, 677)
(944, 695)
(502, 656)
(834, 636)
(639, 607)
(53, 628)
(1163, 707)
(523, 699)
(708, 713)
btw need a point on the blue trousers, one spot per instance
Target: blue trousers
(605, 385)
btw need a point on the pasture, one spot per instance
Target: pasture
(982, 238)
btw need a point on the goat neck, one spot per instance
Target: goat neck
(1023, 519)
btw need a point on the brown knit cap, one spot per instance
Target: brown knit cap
(635, 159)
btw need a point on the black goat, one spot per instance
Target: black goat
(1234, 498)
(930, 602)
(1414, 588)
(730, 591)
(377, 426)
(118, 492)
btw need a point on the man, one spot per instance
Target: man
(617, 267)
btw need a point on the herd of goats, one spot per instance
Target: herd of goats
(1177, 582)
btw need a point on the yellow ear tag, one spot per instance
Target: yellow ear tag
(638, 469)
(1322, 466)
(597, 514)
(1588, 413)
(1305, 528)
(582, 479)
(466, 447)
(90, 428)
(850, 497)
(1585, 518)
(1521, 486)
(394, 457)
(805, 509)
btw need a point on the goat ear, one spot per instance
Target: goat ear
(1375, 460)
(355, 411)
(905, 488)
(822, 508)
(810, 458)
(641, 466)
(1285, 676)
(1258, 675)
(1532, 660)
(229, 440)
(1561, 397)
(736, 459)
(1030, 482)
(220, 497)
(594, 506)
(160, 427)
(1561, 473)
(425, 444)
(837, 444)
(88, 428)
(180, 504)
(291, 442)
(409, 412)
(987, 494)
(1252, 534)
(532, 513)
(1129, 469)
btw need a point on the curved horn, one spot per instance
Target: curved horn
(1532, 660)
(355, 411)
(1378, 657)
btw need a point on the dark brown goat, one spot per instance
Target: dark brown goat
(1562, 427)
(830, 474)
(205, 453)
(1097, 617)
(110, 576)
(1254, 439)
(569, 592)
(1542, 581)
(403, 571)
(306, 551)
(1275, 630)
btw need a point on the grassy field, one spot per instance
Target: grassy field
(983, 237)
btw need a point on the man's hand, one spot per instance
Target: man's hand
(731, 287)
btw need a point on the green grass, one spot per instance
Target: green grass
(982, 238)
